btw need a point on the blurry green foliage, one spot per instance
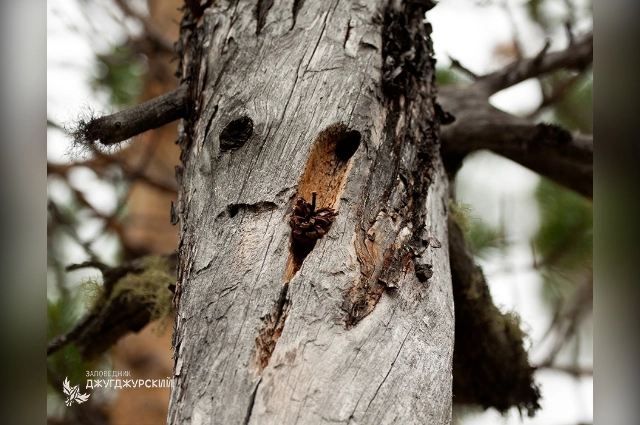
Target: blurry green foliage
(483, 239)
(547, 14)
(65, 304)
(66, 361)
(535, 9)
(120, 72)
(564, 242)
(448, 76)
(575, 109)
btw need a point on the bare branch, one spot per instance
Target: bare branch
(515, 34)
(101, 161)
(88, 264)
(97, 163)
(546, 149)
(577, 55)
(568, 26)
(568, 317)
(123, 125)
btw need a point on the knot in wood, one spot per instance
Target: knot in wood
(236, 133)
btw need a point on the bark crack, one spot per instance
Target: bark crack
(262, 9)
(346, 37)
(270, 333)
(266, 137)
(324, 27)
(252, 401)
(390, 369)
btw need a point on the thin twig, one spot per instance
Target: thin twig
(52, 124)
(540, 56)
(567, 318)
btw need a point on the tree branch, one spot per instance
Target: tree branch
(123, 125)
(61, 341)
(577, 55)
(119, 312)
(546, 149)
(55, 125)
(568, 317)
(490, 364)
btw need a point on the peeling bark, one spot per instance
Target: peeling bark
(340, 96)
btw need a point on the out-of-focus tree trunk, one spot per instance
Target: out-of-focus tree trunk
(292, 99)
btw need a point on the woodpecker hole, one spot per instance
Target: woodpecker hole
(320, 185)
(348, 145)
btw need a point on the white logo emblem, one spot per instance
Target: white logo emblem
(73, 393)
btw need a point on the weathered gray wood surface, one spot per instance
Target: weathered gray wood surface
(332, 362)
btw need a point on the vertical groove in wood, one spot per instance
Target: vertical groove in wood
(324, 174)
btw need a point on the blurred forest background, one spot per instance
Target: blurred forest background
(533, 238)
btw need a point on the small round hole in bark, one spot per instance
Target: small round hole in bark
(236, 133)
(348, 145)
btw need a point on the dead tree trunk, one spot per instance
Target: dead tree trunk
(351, 320)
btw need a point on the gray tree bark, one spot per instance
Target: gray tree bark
(288, 99)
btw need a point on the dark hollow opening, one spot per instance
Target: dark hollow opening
(233, 210)
(236, 133)
(348, 145)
